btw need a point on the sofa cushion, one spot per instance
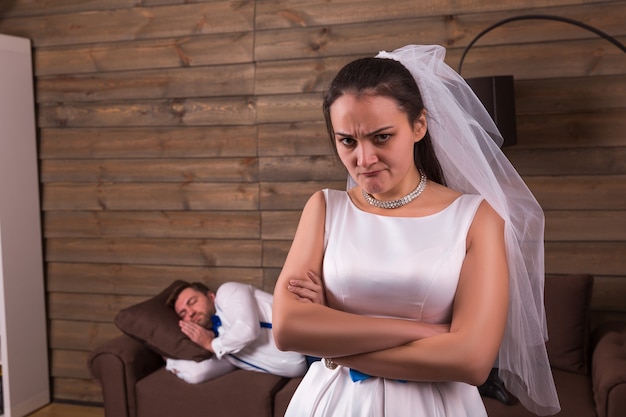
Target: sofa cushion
(238, 393)
(575, 396)
(155, 324)
(567, 302)
(608, 368)
(283, 397)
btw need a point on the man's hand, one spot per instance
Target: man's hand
(198, 334)
(309, 290)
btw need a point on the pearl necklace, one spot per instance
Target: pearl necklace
(392, 204)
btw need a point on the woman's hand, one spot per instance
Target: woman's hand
(310, 290)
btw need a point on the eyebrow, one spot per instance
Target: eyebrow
(373, 133)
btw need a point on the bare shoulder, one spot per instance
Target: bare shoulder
(487, 213)
(487, 222)
(312, 217)
(317, 198)
(315, 206)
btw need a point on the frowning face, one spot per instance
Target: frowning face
(375, 143)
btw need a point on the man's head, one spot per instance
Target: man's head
(193, 303)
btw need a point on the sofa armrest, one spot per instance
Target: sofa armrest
(118, 364)
(608, 369)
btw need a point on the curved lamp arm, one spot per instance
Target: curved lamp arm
(545, 17)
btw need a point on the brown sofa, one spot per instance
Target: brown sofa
(589, 371)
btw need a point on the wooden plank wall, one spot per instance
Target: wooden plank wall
(180, 139)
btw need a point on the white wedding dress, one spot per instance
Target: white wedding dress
(390, 267)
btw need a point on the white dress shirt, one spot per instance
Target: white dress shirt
(245, 339)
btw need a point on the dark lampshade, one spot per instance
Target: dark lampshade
(498, 96)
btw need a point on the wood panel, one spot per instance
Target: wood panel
(292, 195)
(27, 7)
(172, 112)
(191, 252)
(217, 80)
(595, 258)
(598, 192)
(275, 252)
(74, 389)
(141, 142)
(548, 60)
(94, 307)
(298, 138)
(270, 275)
(138, 279)
(585, 129)
(279, 224)
(186, 51)
(297, 76)
(80, 335)
(150, 196)
(285, 108)
(301, 168)
(133, 23)
(569, 161)
(346, 40)
(153, 224)
(453, 30)
(302, 13)
(591, 225)
(180, 139)
(571, 95)
(186, 170)
(69, 364)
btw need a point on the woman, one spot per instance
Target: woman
(424, 286)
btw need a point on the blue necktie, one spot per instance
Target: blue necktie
(215, 324)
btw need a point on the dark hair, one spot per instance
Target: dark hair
(389, 78)
(198, 286)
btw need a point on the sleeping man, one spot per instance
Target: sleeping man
(234, 323)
